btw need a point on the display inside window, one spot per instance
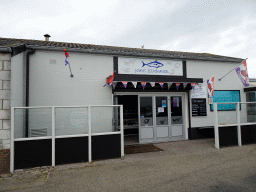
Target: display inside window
(146, 115)
(226, 97)
(130, 111)
(176, 109)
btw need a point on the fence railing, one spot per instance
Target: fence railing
(53, 122)
(233, 114)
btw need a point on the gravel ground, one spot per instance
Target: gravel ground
(193, 165)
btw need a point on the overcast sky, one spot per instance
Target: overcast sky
(223, 27)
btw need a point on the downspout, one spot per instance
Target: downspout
(27, 89)
(189, 119)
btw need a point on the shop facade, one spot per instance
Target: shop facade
(154, 87)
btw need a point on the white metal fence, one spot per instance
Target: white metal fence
(37, 123)
(240, 114)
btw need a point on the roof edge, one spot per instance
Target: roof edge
(93, 51)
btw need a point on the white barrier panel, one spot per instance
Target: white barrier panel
(244, 114)
(37, 123)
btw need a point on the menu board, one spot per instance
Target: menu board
(199, 107)
(226, 97)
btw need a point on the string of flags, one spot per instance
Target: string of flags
(112, 83)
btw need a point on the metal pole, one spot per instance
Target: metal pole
(70, 70)
(238, 121)
(232, 69)
(53, 136)
(216, 127)
(90, 136)
(122, 131)
(12, 141)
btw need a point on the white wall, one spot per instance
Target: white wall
(207, 69)
(51, 85)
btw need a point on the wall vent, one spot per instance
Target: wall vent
(38, 132)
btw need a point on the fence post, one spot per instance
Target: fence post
(122, 131)
(90, 135)
(53, 136)
(216, 127)
(238, 125)
(12, 141)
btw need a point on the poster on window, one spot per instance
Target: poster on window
(175, 102)
(163, 103)
(198, 92)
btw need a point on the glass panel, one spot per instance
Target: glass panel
(103, 119)
(161, 111)
(176, 110)
(248, 112)
(34, 122)
(228, 116)
(71, 121)
(146, 116)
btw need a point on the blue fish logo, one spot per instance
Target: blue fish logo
(155, 64)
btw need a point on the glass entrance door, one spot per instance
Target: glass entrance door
(146, 131)
(177, 116)
(161, 117)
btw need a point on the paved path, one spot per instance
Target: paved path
(183, 166)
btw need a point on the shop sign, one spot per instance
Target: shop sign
(137, 66)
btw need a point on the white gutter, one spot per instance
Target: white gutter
(5, 49)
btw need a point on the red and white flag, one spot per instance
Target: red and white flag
(134, 83)
(125, 83)
(185, 85)
(177, 85)
(210, 88)
(111, 79)
(143, 84)
(161, 84)
(242, 73)
(67, 57)
(169, 84)
(152, 84)
(114, 84)
(193, 85)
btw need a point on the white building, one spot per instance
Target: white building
(39, 77)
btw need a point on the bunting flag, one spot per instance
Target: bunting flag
(243, 73)
(114, 84)
(125, 83)
(161, 84)
(152, 84)
(185, 85)
(134, 84)
(67, 57)
(210, 88)
(110, 79)
(169, 85)
(193, 85)
(177, 85)
(143, 84)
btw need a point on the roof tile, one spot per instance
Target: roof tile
(11, 42)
